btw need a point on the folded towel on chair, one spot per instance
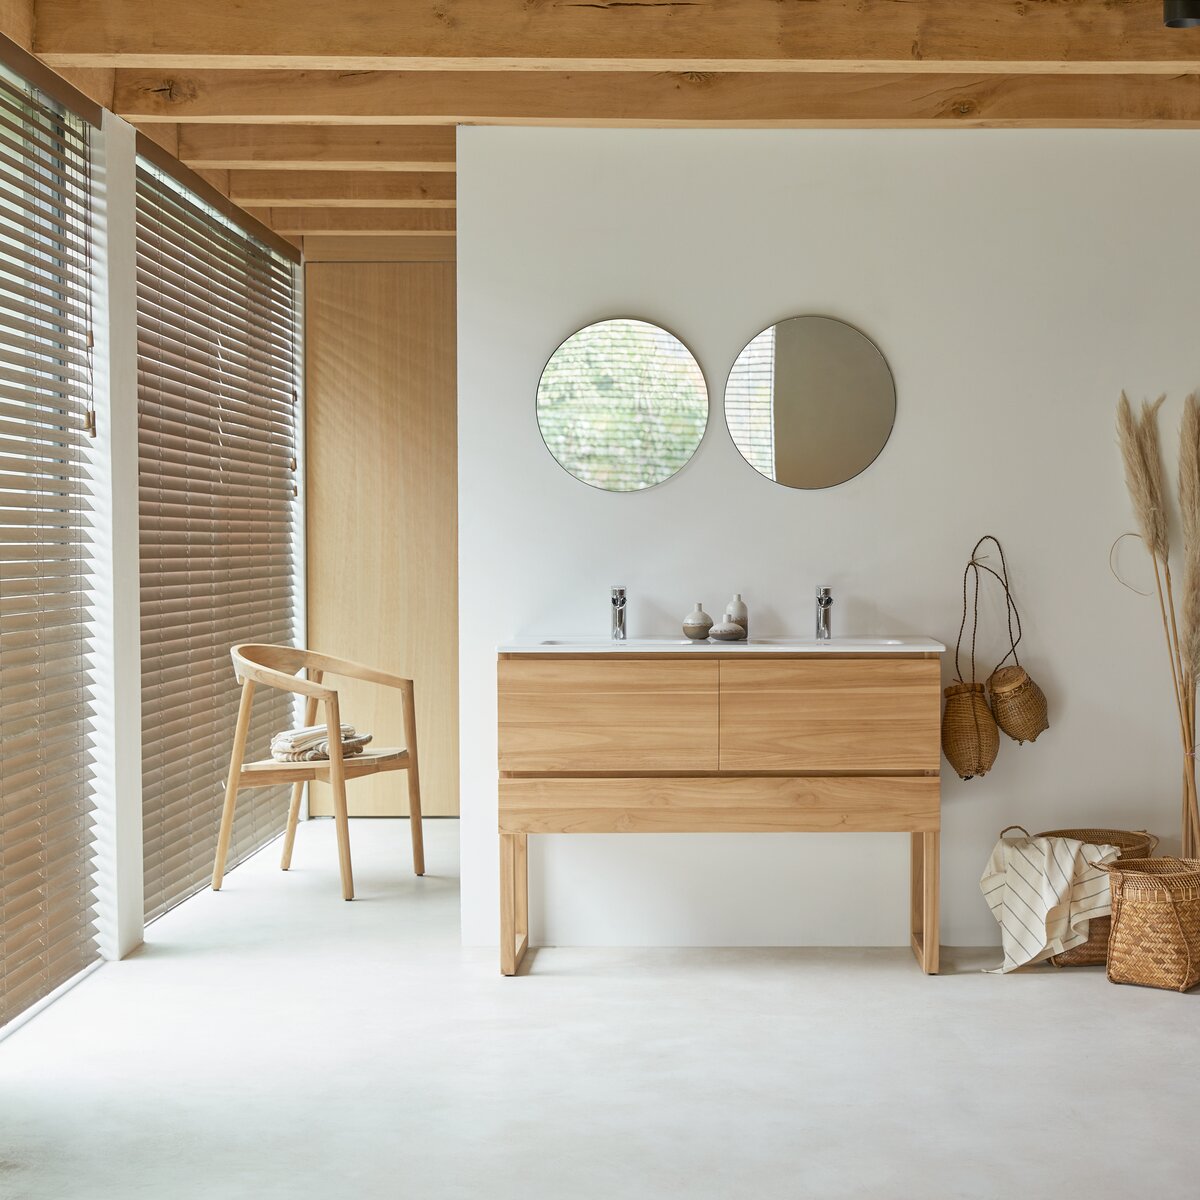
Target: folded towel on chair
(311, 743)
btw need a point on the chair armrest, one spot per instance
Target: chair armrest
(354, 670)
(280, 680)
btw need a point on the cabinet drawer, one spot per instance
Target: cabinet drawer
(864, 715)
(721, 804)
(620, 714)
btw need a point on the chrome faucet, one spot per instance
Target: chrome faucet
(618, 614)
(824, 605)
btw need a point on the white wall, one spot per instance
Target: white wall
(1016, 281)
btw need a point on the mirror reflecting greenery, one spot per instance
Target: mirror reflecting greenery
(622, 405)
(810, 402)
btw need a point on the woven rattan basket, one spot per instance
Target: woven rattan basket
(1155, 938)
(1133, 843)
(1018, 704)
(970, 739)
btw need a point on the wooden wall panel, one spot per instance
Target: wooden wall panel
(382, 503)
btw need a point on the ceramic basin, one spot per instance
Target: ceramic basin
(775, 645)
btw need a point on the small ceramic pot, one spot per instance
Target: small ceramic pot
(697, 623)
(728, 630)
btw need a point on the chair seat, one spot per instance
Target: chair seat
(268, 771)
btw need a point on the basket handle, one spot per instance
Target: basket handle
(1020, 827)
(1010, 605)
(1154, 840)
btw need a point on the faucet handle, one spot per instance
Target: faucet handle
(824, 596)
(618, 597)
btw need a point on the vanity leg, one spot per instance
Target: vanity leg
(521, 894)
(514, 900)
(926, 899)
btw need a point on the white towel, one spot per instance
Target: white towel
(1043, 892)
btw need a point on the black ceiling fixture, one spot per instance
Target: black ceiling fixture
(1181, 14)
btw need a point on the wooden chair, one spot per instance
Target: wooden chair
(285, 668)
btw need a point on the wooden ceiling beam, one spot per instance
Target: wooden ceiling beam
(657, 100)
(358, 222)
(317, 147)
(324, 189)
(929, 36)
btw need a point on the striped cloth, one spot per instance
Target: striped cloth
(310, 743)
(1043, 892)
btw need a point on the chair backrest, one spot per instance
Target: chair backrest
(280, 667)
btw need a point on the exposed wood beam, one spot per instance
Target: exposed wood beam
(94, 82)
(738, 99)
(16, 21)
(435, 248)
(358, 222)
(166, 136)
(318, 147)
(1009, 36)
(322, 189)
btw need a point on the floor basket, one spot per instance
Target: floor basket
(1155, 938)
(1133, 843)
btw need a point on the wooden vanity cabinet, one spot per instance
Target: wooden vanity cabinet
(730, 743)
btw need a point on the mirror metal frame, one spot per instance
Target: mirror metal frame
(895, 402)
(699, 442)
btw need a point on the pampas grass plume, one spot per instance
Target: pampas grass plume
(1140, 480)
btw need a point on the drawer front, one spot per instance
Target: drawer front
(562, 715)
(834, 715)
(721, 804)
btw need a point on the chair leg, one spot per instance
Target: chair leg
(414, 819)
(289, 841)
(236, 758)
(337, 784)
(414, 782)
(289, 838)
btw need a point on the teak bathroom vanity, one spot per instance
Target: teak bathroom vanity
(779, 737)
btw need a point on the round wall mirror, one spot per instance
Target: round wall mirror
(810, 402)
(622, 405)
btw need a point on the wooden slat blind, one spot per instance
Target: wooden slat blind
(217, 482)
(750, 403)
(47, 906)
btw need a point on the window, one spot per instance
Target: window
(47, 802)
(218, 512)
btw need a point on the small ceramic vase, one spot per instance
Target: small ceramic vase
(697, 623)
(728, 630)
(735, 610)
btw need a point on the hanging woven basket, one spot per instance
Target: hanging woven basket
(1018, 703)
(970, 739)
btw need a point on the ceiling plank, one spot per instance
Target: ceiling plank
(318, 147)
(662, 100)
(1009, 36)
(359, 222)
(435, 248)
(322, 189)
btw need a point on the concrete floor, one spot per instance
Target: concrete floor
(274, 1041)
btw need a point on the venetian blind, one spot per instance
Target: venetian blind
(47, 906)
(216, 473)
(750, 403)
